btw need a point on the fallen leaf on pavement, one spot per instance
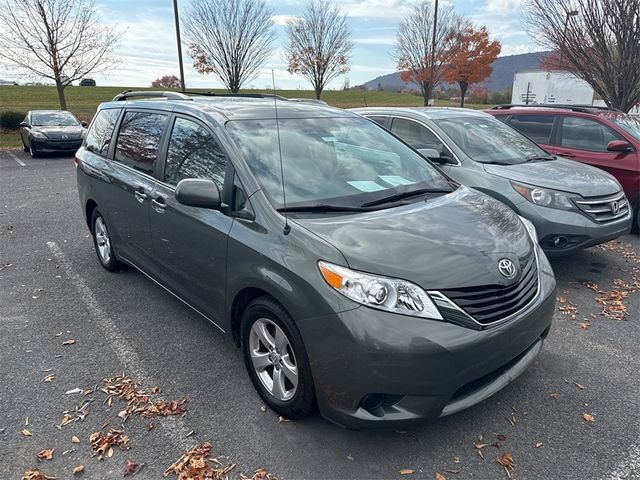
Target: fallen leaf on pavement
(71, 341)
(349, 456)
(440, 476)
(131, 468)
(73, 391)
(26, 432)
(584, 325)
(588, 417)
(263, 408)
(480, 445)
(537, 445)
(75, 439)
(554, 395)
(101, 443)
(281, 419)
(581, 387)
(35, 474)
(456, 459)
(501, 438)
(452, 470)
(196, 464)
(78, 469)
(46, 454)
(49, 378)
(261, 474)
(506, 460)
(406, 471)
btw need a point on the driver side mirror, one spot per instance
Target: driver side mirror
(23, 124)
(84, 124)
(198, 192)
(433, 155)
(619, 146)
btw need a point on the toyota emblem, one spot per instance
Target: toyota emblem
(615, 208)
(507, 268)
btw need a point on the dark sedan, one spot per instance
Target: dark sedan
(49, 131)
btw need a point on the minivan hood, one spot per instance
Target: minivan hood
(560, 174)
(451, 241)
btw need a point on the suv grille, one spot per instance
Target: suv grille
(604, 209)
(492, 303)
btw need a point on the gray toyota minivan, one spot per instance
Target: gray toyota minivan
(354, 275)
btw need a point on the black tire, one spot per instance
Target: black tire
(302, 403)
(111, 263)
(25, 148)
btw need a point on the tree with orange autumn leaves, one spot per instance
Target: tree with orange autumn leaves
(470, 59)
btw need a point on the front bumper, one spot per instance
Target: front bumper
(51, 146)
(373, 368)
(574, 229)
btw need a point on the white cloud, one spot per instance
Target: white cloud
(283, 19)
(503, 7)
(376, 41)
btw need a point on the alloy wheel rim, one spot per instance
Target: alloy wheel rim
(273, 359)
(102, 240)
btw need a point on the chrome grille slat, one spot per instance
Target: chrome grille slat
(599, 209)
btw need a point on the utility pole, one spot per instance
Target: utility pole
(177, 18)
(433, 50)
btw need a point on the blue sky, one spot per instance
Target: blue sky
(148, 46)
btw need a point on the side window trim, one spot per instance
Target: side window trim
(116, 135)
(445, 144)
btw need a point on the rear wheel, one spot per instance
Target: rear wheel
(276, 359)
(102, 243)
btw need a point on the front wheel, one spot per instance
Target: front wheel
(276, 359)
(32, 150)
(102, 243)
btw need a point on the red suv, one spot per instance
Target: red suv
(601, 137)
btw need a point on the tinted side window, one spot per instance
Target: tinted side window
(194, 153)
(586, 134)
(378, 119)
(536, 127)
(415, 134)
(99, 134)
(139, 138)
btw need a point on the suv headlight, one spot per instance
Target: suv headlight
(545, 197)
(531, 229)
(383, 293)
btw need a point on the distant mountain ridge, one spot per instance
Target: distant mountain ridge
(500, 79)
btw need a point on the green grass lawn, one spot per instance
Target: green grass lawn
(83, 101)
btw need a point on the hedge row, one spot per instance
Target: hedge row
(10, 119)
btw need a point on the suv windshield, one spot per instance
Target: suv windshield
(333, 162)
(54, 119)
(629, 124)
(488, 140)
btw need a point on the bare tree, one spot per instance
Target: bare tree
(232, 39)
(58, 39)
(421, 57)
(319, 44)
(597, 40)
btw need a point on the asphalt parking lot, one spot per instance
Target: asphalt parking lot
(52, 289)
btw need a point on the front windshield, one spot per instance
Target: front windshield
(54, 119)
(629, 123)
(345, 161)
(487, 140)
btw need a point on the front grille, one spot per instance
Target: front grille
(604, 209)
(492, 303)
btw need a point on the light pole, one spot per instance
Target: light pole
(571, 13)
(175, 14)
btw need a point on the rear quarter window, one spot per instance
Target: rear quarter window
(99, 135)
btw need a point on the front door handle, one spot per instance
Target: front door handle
(567, 154)
(140, 196)
(158, 204)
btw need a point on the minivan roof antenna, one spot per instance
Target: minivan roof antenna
(287, 229)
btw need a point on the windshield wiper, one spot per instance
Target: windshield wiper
(540, 158)
(401, 195)
(321, 208)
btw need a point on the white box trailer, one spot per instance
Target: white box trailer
(537, 87)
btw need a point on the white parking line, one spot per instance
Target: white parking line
(20, 162)
(175, 429)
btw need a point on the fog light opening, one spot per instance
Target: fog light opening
(560, 242)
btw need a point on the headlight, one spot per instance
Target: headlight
(530, 228)
(38, 135)
(543, 197)
(384, 293)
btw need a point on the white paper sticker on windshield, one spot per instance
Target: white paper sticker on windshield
(395, 180)
(366, 185)
(329, 139)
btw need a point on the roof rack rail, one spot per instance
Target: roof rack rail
(240, 95)
(574, 108)
(127, 94)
